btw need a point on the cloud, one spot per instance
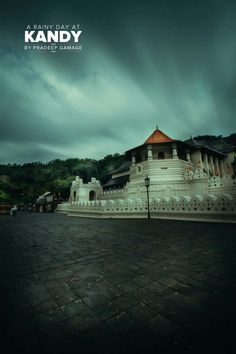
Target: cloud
(161, 65)
(54, 109)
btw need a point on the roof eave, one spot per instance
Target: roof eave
(139, 147)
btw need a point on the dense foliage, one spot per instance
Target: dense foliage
(24, 183)
(231, 139)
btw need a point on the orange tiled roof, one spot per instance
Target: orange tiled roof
(158, 137)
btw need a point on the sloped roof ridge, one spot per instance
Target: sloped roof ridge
(158, 137)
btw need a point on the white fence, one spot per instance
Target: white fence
(185, 205)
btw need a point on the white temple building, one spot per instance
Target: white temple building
(188, 179)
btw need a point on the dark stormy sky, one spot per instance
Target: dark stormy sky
(142, 64)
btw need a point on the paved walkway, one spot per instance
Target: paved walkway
(74, 285)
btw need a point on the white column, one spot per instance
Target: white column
(200, 164)
(206, 163)
(222, 168)
(149, 152)
(217, 168)
(212, 165)
(174, 151)
(133, 158)
(188, 156)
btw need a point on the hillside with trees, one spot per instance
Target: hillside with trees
(24, 183)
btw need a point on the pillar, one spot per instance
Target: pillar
(200, 164)
(206, 163)
(217, 168)
(174, 152)
(133, 158)
(222, 168)
(149, 152)
(188, 156)
(212, 165)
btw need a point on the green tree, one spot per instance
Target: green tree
(4, 197)
(61, 187)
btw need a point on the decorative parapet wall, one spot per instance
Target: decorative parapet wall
(113, 194)
(186, 206)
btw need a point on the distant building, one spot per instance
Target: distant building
(187, 178)
(45, 202)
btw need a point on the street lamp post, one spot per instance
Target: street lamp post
(147, 184)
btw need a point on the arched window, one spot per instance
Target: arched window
(74, 194)
(161, 155)
(92, 195)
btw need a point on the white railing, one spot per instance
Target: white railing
(209, 204)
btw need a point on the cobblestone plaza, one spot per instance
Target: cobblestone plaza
(116, 286)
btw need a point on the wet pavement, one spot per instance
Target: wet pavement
(76, 285)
